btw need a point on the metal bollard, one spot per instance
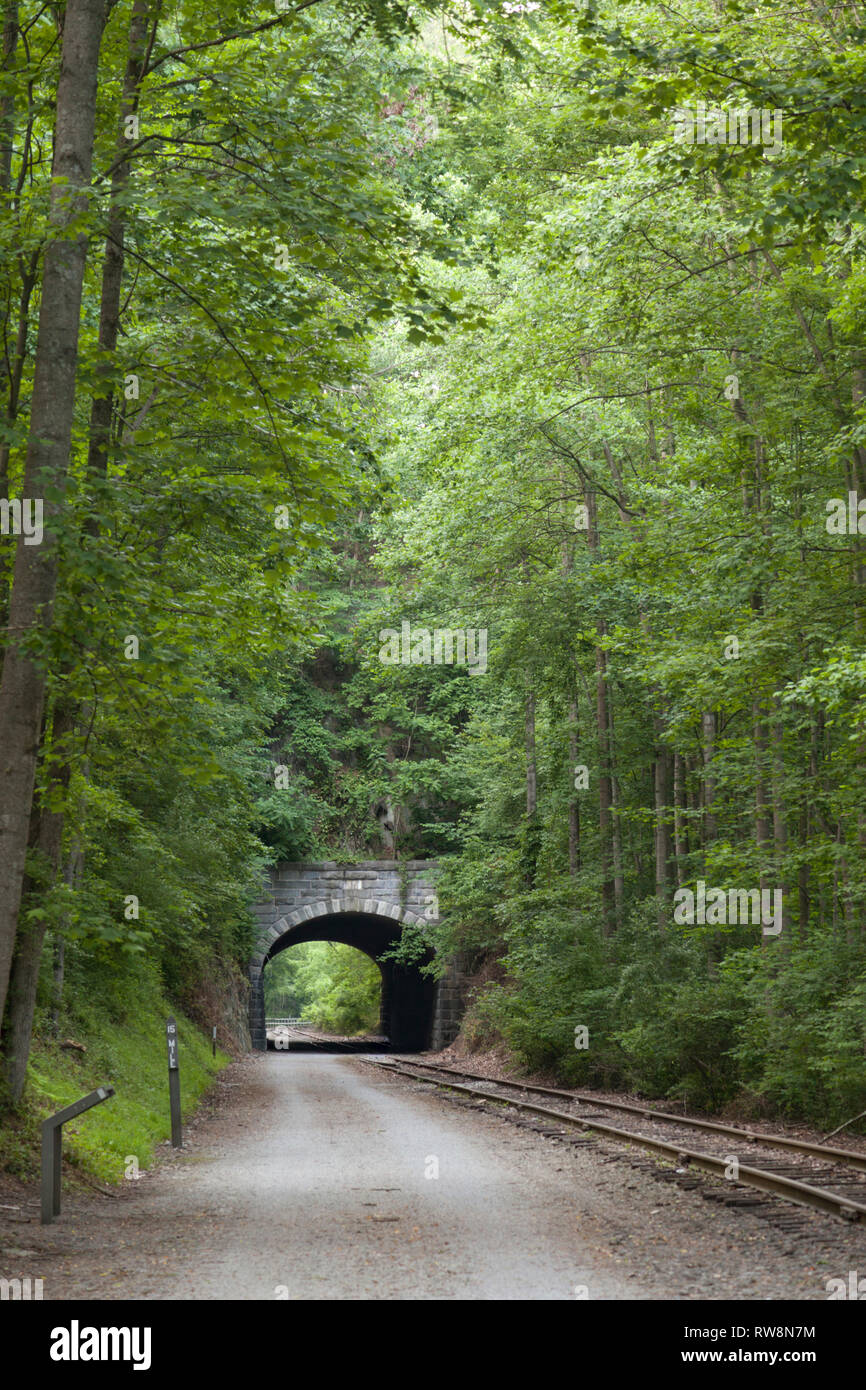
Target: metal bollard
(52, 1149)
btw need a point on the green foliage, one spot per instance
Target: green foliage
(406, 289)
(327, 983)
(264, 238)
(119, 1017)
(627, 282)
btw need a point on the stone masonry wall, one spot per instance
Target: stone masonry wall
(295, 894)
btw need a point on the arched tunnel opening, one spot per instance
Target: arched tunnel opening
(407, 996)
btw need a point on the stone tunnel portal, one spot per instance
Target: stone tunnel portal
(408, 996)
(366, 905)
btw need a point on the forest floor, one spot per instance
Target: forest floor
(312, 1177)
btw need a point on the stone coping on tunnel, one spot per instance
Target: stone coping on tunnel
(296, 885)
(389, 865)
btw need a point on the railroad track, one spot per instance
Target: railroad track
(299, 1034)
(819, 1176)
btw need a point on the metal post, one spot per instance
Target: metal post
(214, 1040)
(52, 1149)
(50, 1206)
(173, 1083)
(57, 1172)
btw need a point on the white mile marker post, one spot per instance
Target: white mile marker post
(173, 1083)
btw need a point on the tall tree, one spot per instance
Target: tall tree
(22, 688)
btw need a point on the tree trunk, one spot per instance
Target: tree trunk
(15, 369)
(24, 976)
(605, 795)
(531, 767)
(780, 829)
(616, 825)
(680, 837)
(803, 896)
(47, 839)
(662, 828)
(12, 359)
(25, 968)
(112, 268)
(74, 875)
(530, 834)
(762, 806)
(574, 801)
(57, 982)
(22, 690)
(605, 792)
(573, 710)
(7, 105)
(708, 728)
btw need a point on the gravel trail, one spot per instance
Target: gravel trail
(313, 1177)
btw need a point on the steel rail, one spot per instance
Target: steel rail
(752, 1136)
(347, 1044)
(790, 1189)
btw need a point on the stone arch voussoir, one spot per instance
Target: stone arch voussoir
(330, 907)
